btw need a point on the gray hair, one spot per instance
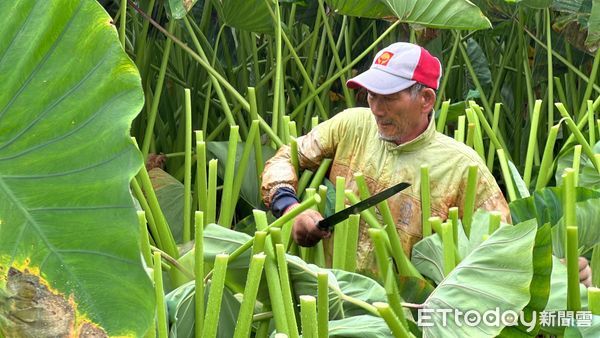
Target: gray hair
(415, 89)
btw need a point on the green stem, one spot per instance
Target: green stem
(244, 319)
(459, 133)
(546, 165)
(215, 296)
(578, 135)
(508, 181)
(594, 300)
(591, 127)
(161, 309)
(441, 122)
(123, 22)
(139, 195)
(157, 93)
(145, 245)
(492, 147)
(550, 65)
(243, 164)
(576, 163)
(365, 214)
(477, 136)
(352, 242)
(187, 181)
(398, 330)
(201, 186)
(258, 154)
(495, 218)
(588, 88)
(320, 173)
(211, 206)
(381, 252)
(449, 247)
(323, 304)
(286, 291)
(470, 197)
(532, 144)
(199, 273)
(294, 155)
(340, 236)
(393, 296)
(308, 315)
(227, 202)
(573, 297)
(166, 237)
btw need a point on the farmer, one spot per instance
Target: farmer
(388, 143)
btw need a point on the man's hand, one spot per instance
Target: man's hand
(304, 230)
(585, 272)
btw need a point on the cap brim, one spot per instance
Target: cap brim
(379, 82)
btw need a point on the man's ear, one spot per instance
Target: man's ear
(427, 100)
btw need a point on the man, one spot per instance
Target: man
(388, 143)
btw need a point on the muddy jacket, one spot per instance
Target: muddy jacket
(351, 139)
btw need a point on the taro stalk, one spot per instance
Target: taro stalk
(308, 314)
(187, 183)
(286, 291)
(340, 235)
(215, 295)
(532, 145)
(211, 205)
(385, 311)
(227, 203)
(449, 247)
(199, 273)
(201, 185)
(470, 196)
(545, 171)
(572, 255)
(323, 304)
(244, 320)
(161, 308)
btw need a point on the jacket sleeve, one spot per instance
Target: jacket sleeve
(313, 147)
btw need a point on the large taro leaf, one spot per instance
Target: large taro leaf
(69, 241)
(495, 275)
(456, 14)
(363, 326)
(587, 213)
(540, 285)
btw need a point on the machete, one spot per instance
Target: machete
(328, 223)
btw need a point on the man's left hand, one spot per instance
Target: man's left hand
(585, 272)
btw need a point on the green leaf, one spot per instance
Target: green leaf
(250, 15)
(455, 14)
(68, 226)
(519, 183)
(583, 330)
(540, 285)
(495, 275)
(593, 38)
(179, 8)
(169, 192)
(480, 63)
(363, 326)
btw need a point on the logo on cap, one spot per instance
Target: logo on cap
(384, 58)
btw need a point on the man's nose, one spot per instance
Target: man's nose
(377, 106)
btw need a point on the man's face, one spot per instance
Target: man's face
(397, 114)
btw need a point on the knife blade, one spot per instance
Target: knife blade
(328, 223)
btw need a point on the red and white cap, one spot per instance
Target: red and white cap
(397, 67)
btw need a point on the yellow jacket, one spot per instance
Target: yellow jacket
(351, 139)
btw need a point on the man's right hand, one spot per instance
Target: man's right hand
(305, 231)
